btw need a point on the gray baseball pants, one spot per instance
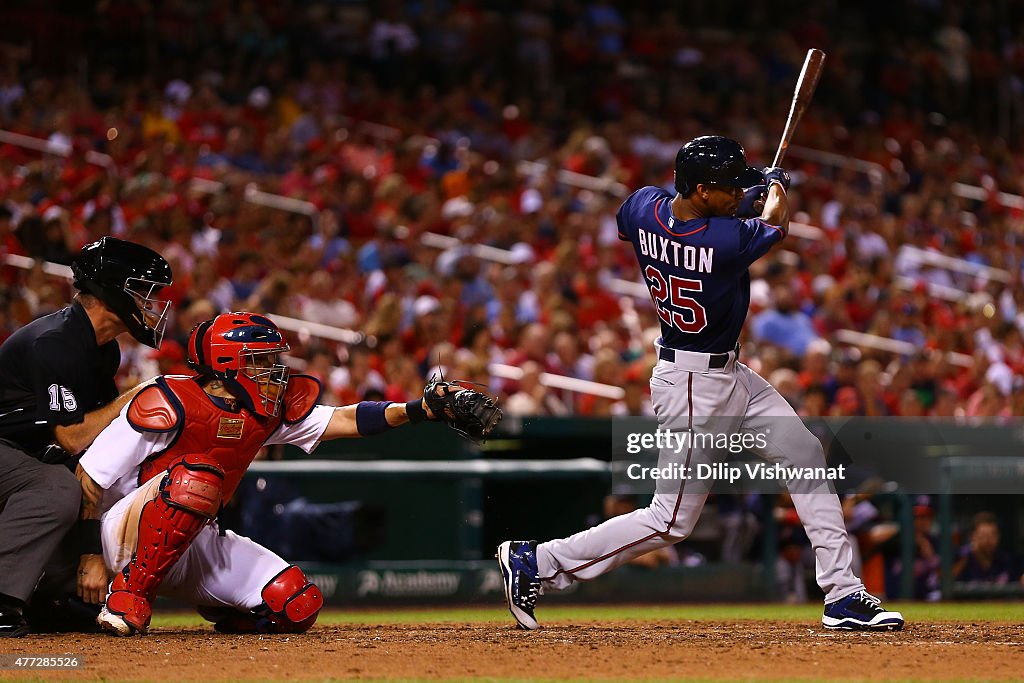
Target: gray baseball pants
(686, 394)
(38, 505)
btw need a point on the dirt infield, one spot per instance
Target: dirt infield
(623, 650)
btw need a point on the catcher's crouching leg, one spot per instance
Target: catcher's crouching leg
(190, 495)
(290, 604)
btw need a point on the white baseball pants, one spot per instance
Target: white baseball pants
(220, 571)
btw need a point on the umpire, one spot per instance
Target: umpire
(57, 392)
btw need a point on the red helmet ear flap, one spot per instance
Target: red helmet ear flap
(197, 359)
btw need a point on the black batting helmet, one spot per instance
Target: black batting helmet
(126, 277)
(713, 160)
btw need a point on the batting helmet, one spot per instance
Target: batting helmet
(126, 277)
(713, 160)
(243, 351)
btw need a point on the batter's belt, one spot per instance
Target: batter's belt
(716, 361)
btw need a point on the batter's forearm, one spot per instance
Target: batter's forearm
(776, 208)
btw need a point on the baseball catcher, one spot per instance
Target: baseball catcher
(156, 478)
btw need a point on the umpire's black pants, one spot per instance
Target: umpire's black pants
(38, 505)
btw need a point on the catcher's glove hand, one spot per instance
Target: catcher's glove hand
(470, 413)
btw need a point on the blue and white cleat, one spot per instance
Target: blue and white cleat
(518, 563)
(860, 611)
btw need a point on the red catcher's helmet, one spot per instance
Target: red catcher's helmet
(242, 350)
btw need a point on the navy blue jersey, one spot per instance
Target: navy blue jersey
(696, 270)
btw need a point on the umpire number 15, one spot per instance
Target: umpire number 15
(671, 301)
(60, 394)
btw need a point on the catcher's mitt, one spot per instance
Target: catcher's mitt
(470, 413)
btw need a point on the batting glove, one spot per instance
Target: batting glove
(777, 174)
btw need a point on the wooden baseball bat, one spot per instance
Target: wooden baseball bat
(805, 85)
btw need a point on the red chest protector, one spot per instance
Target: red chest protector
(229, 438)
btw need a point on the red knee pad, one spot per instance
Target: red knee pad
(195, 484)
(293, 602)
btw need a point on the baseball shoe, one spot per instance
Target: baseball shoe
(860, 611)
(12, 623)
(518, 563)
(113, 623)
(125, 614)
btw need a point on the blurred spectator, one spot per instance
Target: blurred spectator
(927, 583)
(532, 398)
(784, 325)
(353, 382)
(739, 519)
(387, 122)
(319, 302)
(795, 558)
(787, 383)
(816, 370)
(793, 565)
(872, 532)
(847, 403)
(637, 398)
(982, 560)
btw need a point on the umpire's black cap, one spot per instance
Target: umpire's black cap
(714, 160)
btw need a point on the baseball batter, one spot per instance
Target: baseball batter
(694, 254)
(159, 474)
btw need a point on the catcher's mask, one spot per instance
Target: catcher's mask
(243, 350)
(128, 277)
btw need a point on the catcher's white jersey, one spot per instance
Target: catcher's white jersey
(218, 570)
(114, 459)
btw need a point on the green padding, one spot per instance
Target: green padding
(383, 583)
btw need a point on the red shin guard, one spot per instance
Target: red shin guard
(189, 497)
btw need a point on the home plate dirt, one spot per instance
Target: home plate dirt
(678, 650)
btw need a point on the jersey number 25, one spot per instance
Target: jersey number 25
(671, 301)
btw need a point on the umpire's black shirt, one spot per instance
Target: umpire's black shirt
(52, 372)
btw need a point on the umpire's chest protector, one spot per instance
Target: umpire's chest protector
(229, 438)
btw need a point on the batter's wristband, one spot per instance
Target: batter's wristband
(370, 417)
(415, 411)
(89, 539)
(776, 181)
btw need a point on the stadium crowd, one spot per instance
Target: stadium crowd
(413, 118)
